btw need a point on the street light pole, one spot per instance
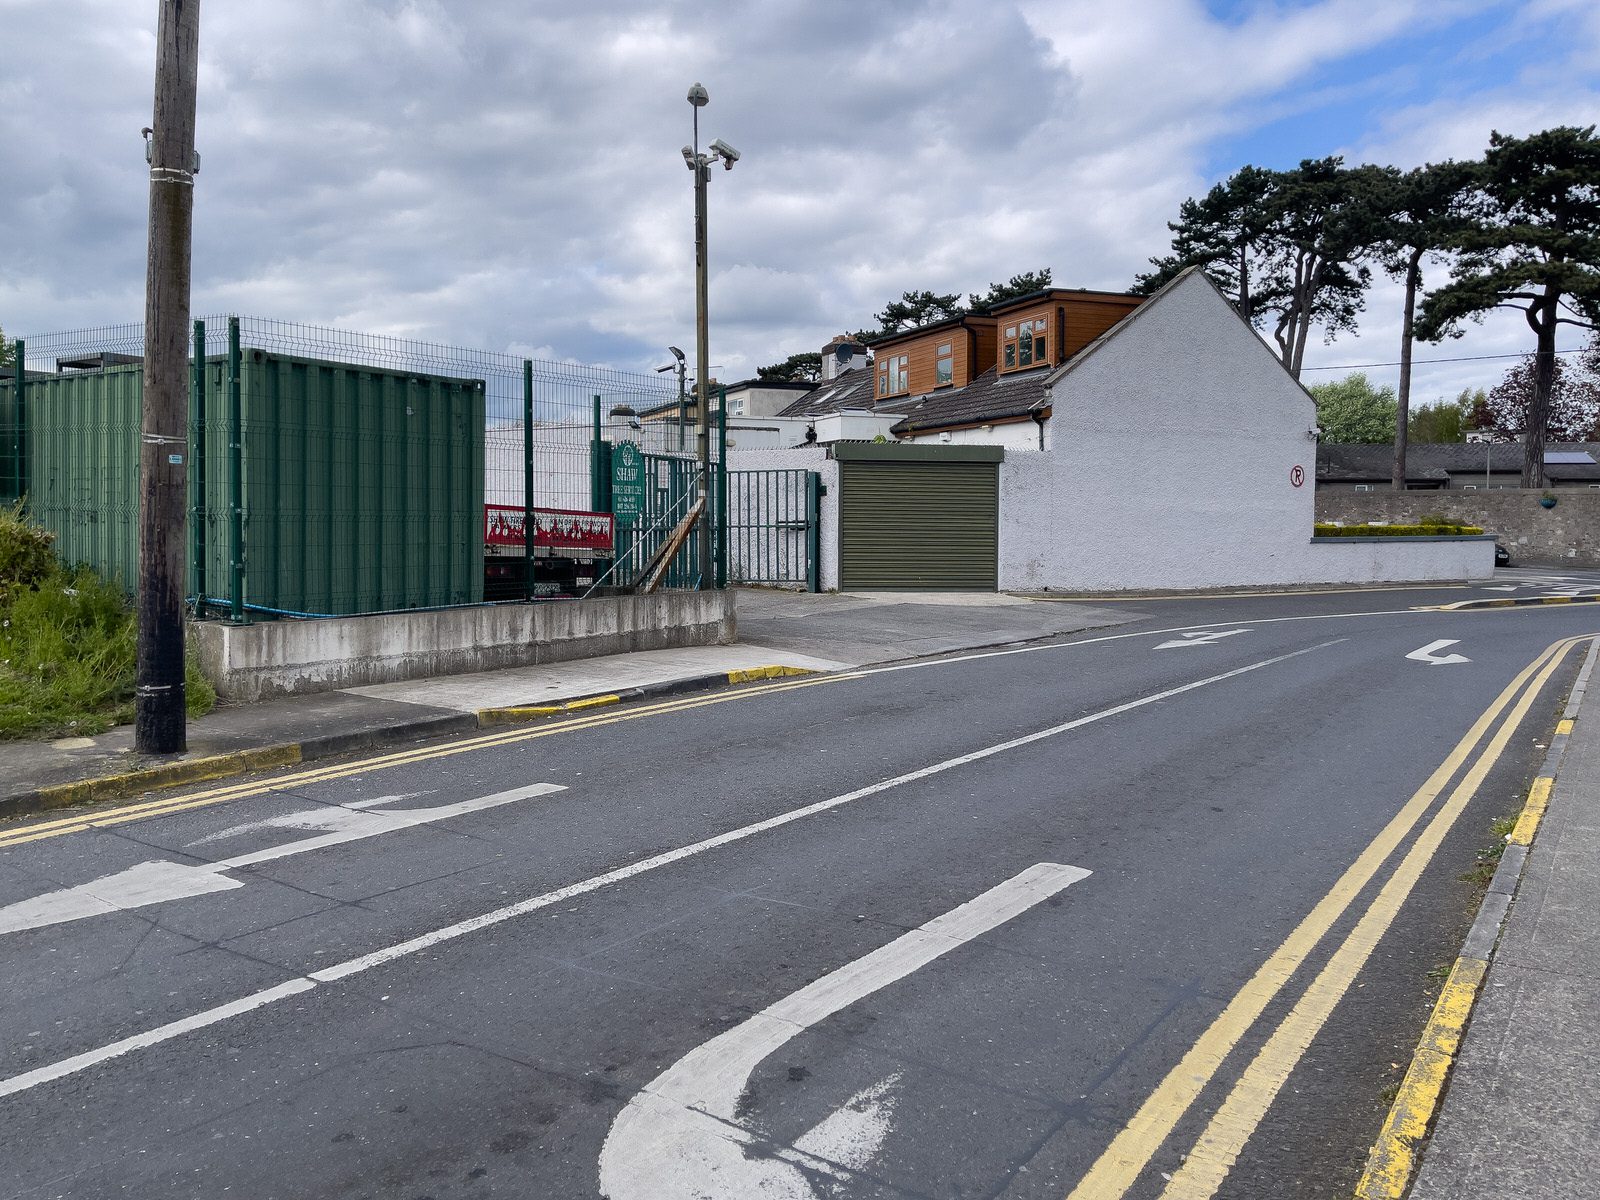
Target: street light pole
(700, 164)
(698, 99)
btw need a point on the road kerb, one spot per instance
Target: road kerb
(518, 714)
(148, 779)
(1393, 1158)
(1509, 602)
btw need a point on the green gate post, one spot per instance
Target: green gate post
(236, 471)
(197, 460)
(721, 533)
(20, 446)
(813, 531)
(528, 589)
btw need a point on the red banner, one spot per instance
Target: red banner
(553, 529)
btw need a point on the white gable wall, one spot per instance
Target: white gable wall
(1169, 466)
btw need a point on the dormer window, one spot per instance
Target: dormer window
(893, 377)
(944, 370)
(1025, 344)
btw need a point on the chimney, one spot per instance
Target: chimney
(842, 354)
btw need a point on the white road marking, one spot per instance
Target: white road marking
(1200, 639)
(851, 1136)
(322, 817)
(678, 1139)
(366, 962)
(1426, 653)
(158, 882)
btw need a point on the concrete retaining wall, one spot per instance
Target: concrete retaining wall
(1567, 535)
(275, 658)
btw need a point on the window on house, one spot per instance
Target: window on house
(944, 371)
(893, 378)
(1363, 487)
(1026, 344)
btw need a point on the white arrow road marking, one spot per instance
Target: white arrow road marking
(325, 817)
(1200, 639)
(678, 1139)
(158, 882)
(1426, 653)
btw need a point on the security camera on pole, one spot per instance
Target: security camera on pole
(700, 164)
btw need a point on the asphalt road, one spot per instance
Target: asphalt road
(1149, 912)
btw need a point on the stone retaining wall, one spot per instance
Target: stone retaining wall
(1567, 535)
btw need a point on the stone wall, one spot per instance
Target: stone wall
(1567, 535)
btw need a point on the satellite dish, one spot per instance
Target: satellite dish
(843, 353)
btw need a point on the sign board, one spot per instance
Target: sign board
(560, 529)
(627, 481)
(1297, 475)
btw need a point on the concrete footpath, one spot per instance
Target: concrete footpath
(781, 633)
(1521, 1117)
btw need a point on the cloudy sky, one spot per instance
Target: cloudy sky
(505, 174)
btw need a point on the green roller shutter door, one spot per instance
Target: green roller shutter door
(919, 526)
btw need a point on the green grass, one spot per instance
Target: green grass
(67, 648)
(1488, 858)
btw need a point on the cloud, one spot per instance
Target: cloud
(501, 175)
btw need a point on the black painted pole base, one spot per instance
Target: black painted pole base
(160, 720)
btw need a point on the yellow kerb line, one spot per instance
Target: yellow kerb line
(1130, 1151)
(1218, 1148)
(175, 804)
(1532, 812)
(1389, 1165)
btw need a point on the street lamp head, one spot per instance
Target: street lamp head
(676, 353)
(698, 96)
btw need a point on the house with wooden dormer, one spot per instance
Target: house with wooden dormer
(982, 377)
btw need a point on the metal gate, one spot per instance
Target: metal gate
(775, 528)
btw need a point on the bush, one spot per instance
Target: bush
(1321, 529)
(26, 559)
(67, 656)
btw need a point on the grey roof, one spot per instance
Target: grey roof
(853, 389)
(1430, 460)
(989, 397)
(1338, 462)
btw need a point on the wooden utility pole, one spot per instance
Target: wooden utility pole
(159, 709)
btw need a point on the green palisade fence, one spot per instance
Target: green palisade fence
(362, 488)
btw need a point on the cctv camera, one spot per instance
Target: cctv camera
(688, 157)
(728, 153)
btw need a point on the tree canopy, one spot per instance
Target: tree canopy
(1532, 244)
(6, 352)
(1289, 246)
(917, 308)
(1445, 420)
(1352, 410)
(795, 368)
(1573, 413)
(1018, 285)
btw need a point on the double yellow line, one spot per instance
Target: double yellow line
(1248, 1100)
(168, 805)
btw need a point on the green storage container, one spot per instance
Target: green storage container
(362, 487)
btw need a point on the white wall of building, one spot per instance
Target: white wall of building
(1015, 436)
(1171, 465)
